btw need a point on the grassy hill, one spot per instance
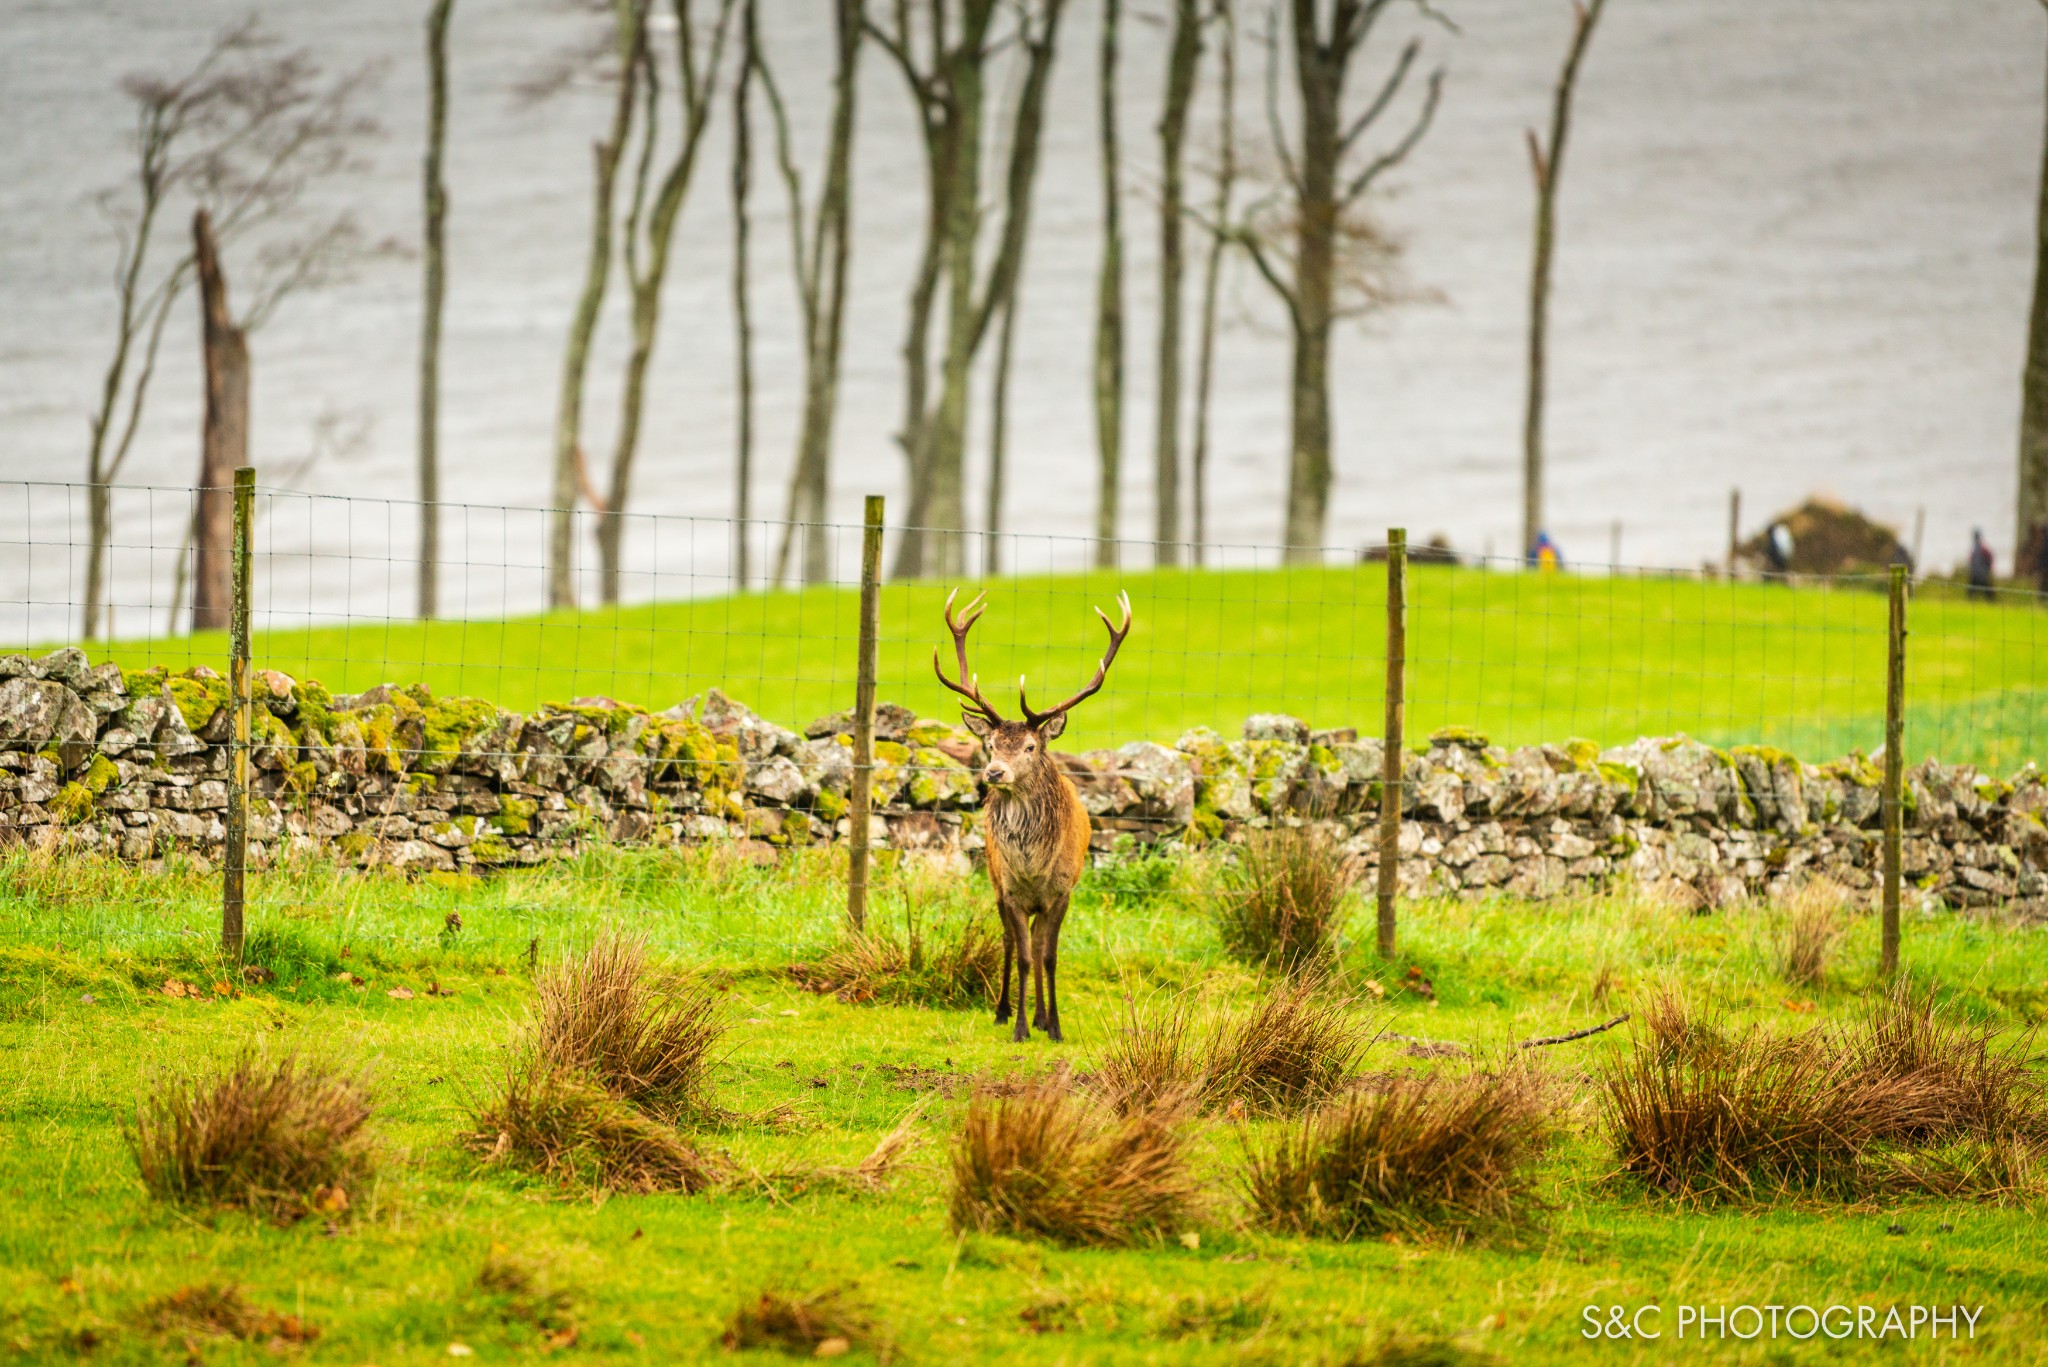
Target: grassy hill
(1521, 657)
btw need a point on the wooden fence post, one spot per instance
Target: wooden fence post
(1391, 740)
(234, 859)
(1894, 766)
(864, 718)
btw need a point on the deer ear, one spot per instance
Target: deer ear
(1053, 725)
(976, 723)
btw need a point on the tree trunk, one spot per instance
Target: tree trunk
(697, 90)
(1109, 306)
(2033, 461)
(629, 17)
(742, 306)
(1212, 273)
(1182, 58)
(998, 447)
(1548, 164)
(224, 439)
(821, 290)
(434, 247)
(1319, 72)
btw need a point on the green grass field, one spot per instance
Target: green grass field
(1524, 658)
(83, 1249)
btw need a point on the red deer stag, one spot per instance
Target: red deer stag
(1036, 827)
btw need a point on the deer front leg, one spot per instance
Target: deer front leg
(1009, 955)
(1049, 957)
(1040, 925)
(1019, 931)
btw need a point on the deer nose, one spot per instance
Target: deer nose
(996, 773)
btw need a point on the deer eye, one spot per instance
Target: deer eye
(1029, 746)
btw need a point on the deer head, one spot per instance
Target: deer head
(1017, 749)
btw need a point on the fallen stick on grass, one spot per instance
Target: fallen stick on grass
(1576, 1034)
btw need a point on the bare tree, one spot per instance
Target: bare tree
(434, 290)
(944, 61)
(648, 234)
(243, 133)
(2032, 511)
(629, 43)
(1546, 160)
(1109, 304)
(1184, 54)
(819, 256)
(742, 296)
(1212, 272)
(1337, 260)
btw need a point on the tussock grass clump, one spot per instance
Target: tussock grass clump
(1159, 1055)
(1903, 1097)
(220, 1311)
(566, 1126)
(646, 1037)
(1045, 1162)
(1976, 1089)
(1812, 928)
(952, 963)
(1281, 902)
(280, 1138)
(1430, 1151)
(817, 1324)
(1296, 1048)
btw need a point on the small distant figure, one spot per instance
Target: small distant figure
(1544, 555)
(1778, 549)
(1980, 565)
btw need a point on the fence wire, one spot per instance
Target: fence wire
(1599, 655)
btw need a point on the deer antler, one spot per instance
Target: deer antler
(969, 686)
(1116, 638)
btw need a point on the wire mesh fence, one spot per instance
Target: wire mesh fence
(583, 637)
(1608, 653)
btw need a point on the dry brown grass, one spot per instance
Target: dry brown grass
(1297, 1047)
(569, 1128)
(817, 1324)
(1158, 1055)
(648, 1037)
(1811, 929)
(1978, 1087)
(1281, 902)
(1709, 1114)
(1432, 1151)
(281, 1138)
(220, 1311)
(953, 963)
(1044, 1161)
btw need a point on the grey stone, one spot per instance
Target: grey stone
(35, 713)
(778, 779)
(1276, 726)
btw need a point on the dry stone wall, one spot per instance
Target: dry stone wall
(134, 765)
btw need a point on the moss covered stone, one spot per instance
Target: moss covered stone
(99, 775)
(72, 804)
(197, 700)
(515, 814)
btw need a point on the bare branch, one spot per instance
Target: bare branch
(1379, 103)
(1398, 153)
